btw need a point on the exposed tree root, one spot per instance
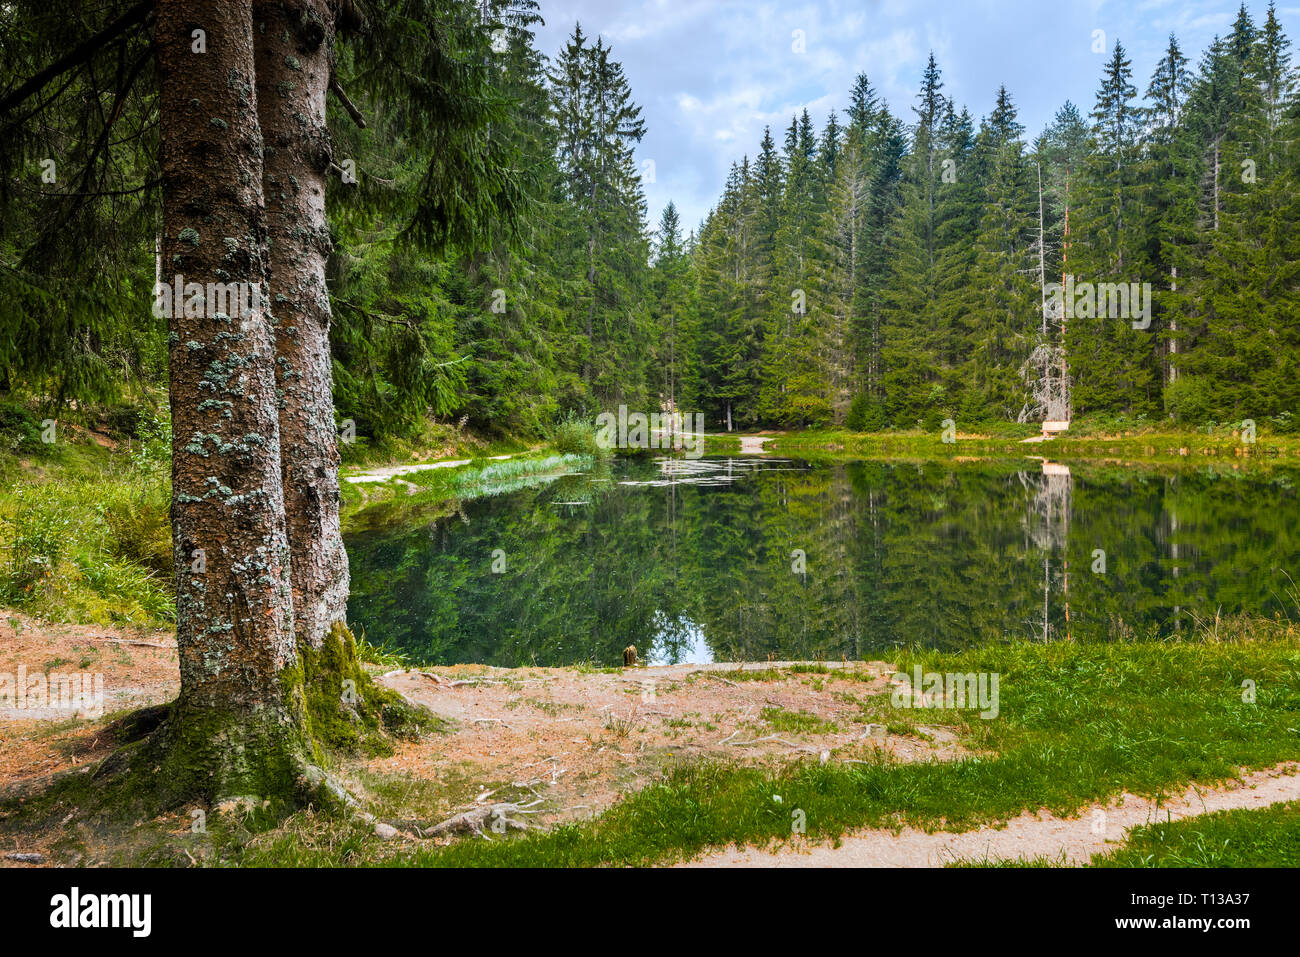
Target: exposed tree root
(497, 818)
(270, 759)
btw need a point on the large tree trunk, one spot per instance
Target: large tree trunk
(294, 57)
(239, 724)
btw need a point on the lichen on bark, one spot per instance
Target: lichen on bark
(240, 723)
(294, 61)
(271, 683)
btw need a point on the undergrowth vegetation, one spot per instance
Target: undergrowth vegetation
(84, 529)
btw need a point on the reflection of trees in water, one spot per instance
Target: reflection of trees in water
(897, 554)
(1047, 518)
(1047, 530)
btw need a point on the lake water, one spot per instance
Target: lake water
(746, 558)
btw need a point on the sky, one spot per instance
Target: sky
(710, 74)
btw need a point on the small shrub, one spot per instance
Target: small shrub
(138, 521)
(865, 415)
(153, 456)
(19, 430)
(127, 593)
(574, 435)
(933, 420)
(1284, 423)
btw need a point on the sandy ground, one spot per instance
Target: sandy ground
(579, 740)
(1096, 830)
(575, 741)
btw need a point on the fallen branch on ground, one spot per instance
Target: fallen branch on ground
(132, 641)
(492, 721)
(496, 817)
(775, 740)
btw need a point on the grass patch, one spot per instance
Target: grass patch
(498, 478)
(742, 674)
(721, 444)
(477, 478)
(382, 654)
(796, 722)
(1265, 837)
(426, 442)
(1078, 723)
(1039, 861)
(1083, 441)
(85, 537)
(1249, 837)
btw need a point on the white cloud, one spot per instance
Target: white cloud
(712, 73)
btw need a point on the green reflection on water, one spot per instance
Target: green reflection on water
(697, 560)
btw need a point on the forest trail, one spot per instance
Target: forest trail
(1096, 830)
(393, 471)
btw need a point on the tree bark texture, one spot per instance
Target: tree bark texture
(238, 722)
(294, 41)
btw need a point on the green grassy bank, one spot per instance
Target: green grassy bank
(1078, 723)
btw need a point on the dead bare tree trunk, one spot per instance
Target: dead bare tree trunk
(1173, 330)
(1042, 252)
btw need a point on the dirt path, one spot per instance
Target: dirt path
(133, 667)
(753, 444)
(392, 471)
(1097, 829)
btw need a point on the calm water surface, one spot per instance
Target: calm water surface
(742, 558)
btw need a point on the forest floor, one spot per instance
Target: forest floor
(704, 763)
(582, 736)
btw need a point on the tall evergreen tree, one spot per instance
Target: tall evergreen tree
(1114, 365)
(598, 128)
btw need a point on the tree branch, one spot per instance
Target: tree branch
(78, 55)
(106, 192)
(347, 104)
(379, 316)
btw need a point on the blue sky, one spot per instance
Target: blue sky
(710, 74)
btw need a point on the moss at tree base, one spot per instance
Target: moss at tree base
(269, 757)
(346, 709)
